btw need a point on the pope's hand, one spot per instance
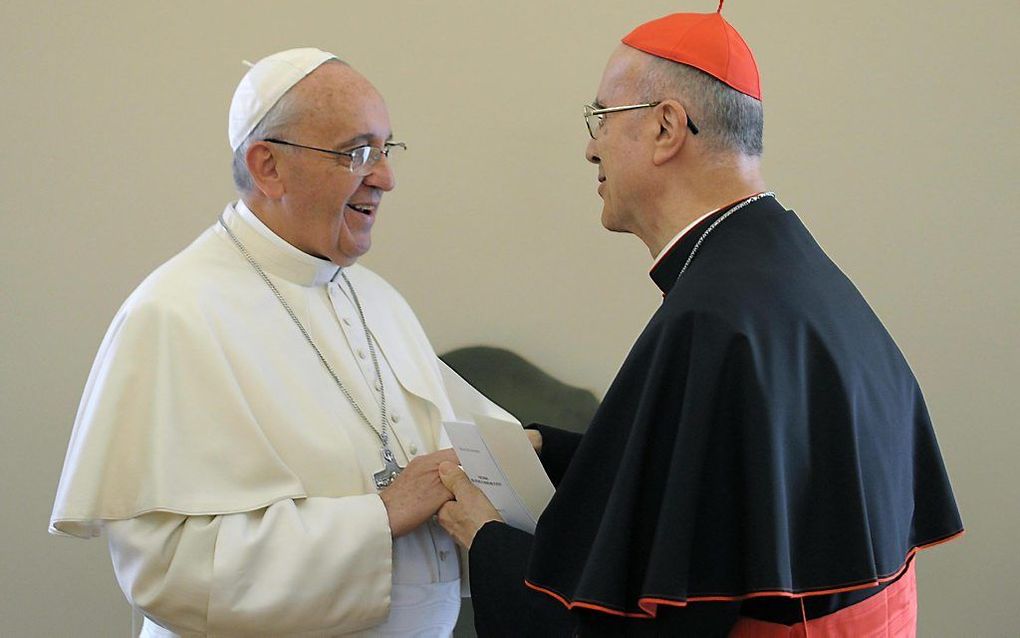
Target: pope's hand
(417, 493)
(470, 509)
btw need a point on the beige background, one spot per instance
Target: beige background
(891, 127)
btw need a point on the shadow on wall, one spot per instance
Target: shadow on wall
(528, 393)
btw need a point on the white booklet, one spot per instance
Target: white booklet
(497, 456)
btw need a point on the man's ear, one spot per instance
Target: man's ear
(261, 163)
(671, 118)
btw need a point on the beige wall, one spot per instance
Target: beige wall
(891, 127)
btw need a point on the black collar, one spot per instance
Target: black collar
(668, 267)
(665, 272)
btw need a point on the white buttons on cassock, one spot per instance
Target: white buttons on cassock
(413, 448)
(361, 353)
(396, 418)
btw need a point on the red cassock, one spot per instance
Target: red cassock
(891, 613)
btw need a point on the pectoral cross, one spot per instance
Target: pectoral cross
(390, 470)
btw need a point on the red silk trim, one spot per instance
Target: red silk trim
(649, 604)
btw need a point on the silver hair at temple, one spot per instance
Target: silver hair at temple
(275, 123)
(728, 120)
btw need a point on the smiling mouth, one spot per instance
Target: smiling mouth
(362, 208)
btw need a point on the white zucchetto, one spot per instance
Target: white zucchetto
(264, 84)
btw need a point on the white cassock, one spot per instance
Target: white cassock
(233, 478)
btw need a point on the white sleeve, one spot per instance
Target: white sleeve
(296, 566)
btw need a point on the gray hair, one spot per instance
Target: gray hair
(274, 123)
(728, 120)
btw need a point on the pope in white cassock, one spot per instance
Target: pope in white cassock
(260, 433)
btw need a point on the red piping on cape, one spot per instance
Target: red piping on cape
(648, 604)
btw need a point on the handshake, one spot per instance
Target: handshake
(435, 485)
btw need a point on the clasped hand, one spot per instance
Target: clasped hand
(470, 509)
(435, 483)
(417, 493)
(429, 484)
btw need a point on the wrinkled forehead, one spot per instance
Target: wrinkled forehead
(622, 76)
(338, 103)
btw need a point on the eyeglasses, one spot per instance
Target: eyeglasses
(361, 159)
(595, 117)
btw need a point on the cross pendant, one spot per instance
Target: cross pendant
(390, 470)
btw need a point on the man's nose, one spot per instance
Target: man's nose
(382, 176)
(589, 152)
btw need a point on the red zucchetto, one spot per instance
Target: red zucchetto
(705, 41)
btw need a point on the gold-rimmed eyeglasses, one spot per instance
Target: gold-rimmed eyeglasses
(361, 160)
(595, 116)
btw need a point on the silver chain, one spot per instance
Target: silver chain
(382, 433)
(697, 245)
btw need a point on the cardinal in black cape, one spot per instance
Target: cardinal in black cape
(763, 462)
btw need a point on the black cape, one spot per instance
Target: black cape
(764, 437)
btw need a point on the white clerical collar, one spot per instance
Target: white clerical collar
(672, 242)
(272, 252)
